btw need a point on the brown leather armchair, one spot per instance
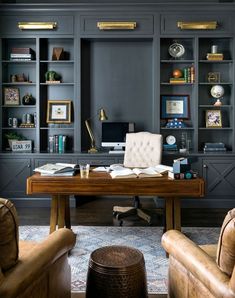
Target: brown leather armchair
(30, 269)
(202, 271)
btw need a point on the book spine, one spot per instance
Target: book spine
(185, 74)
(64, 143)
(189, 75)
(56, 143)
(61, 147)
(51, 144)
(22, 51)
(192, 79)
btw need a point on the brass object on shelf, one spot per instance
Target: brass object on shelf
(116, 25)
(211, 25)
(37, 25)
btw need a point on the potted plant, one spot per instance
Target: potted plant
(13, 136)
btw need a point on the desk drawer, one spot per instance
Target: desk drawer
(169, 23)
(9, 25)
(143, 25)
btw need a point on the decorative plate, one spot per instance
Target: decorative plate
(176, 50)
(171, 140)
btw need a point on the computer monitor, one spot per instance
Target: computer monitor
(114, 135)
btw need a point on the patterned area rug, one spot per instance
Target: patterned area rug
(146, 239)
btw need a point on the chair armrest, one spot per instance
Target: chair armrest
(34, 264)
(197, 262)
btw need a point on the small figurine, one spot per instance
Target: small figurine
(28, 99)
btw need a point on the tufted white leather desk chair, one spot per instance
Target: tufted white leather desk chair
(143, 149)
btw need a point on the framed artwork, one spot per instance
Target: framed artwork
(11, 96)
(213, 118)
(59, 111)
(174, 106)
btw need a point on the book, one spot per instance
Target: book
(135, 173)
(22, 51)
(56, 168)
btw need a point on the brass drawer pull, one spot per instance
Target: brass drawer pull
(37, 25)
(197, 25)
(116, 25)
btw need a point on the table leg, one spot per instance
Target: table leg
(177, 214)
(61, 211)
(54, 213)
(169, 213)
(67, 213)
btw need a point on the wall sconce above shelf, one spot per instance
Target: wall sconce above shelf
(212, 25)
(116, 25)
(37, 25)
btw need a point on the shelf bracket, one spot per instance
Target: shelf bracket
(116, 25)
(37, 25)
(212, 25)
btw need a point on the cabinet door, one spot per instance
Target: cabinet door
(220, 177)
(14, 173)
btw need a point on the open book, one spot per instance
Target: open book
(123, 172)
(57, 168)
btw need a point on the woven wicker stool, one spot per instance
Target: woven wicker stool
(116, 272)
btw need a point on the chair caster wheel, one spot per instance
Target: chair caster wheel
(121, 223)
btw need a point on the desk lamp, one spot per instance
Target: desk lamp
(102, 117)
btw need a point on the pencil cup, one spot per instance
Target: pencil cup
(84, 170)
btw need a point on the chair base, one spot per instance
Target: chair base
(122, 212)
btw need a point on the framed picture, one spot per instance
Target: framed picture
(59, 111)
(11, 96)
(213, 118)
(174, 106)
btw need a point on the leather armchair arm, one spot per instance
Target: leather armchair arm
(197, 262)
(33, 265)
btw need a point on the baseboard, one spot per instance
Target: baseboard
(82, 295)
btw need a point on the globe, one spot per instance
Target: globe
(217, 91)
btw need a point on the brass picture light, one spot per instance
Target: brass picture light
(102, 117)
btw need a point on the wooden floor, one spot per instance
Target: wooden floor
(92, 211)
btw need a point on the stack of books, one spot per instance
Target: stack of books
(22, 54)
(168, 147)
(214, 147)
(57, 169)
(57, 144)
(189, 76)
(215, 56)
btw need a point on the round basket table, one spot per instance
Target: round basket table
(116, 272)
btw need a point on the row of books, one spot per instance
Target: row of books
(57, 143)
(189, 76)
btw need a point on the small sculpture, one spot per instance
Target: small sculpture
(52, 76)
(28, 99)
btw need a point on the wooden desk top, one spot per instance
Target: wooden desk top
(103, 184)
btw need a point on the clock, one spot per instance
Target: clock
(171, 140)
(176, 50)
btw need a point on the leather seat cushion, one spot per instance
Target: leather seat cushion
(226, 245)
(9, 235)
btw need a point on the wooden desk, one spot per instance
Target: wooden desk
(60, 188)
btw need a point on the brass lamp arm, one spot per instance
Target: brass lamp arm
(90, 132)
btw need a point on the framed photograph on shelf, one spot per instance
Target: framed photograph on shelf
(174, 106)
(213, 118)
(59, 111)
(11, 96)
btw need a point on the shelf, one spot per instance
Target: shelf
(57, 84)
(215, 128)
(178, 84)
(216, 61)
(56, 128)
(177, 61)
(19, 61)
(219, 83)
(19, 84)
(19, 128)
(57, 61)
(21, 106)
(180, 128)
(212, 106)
